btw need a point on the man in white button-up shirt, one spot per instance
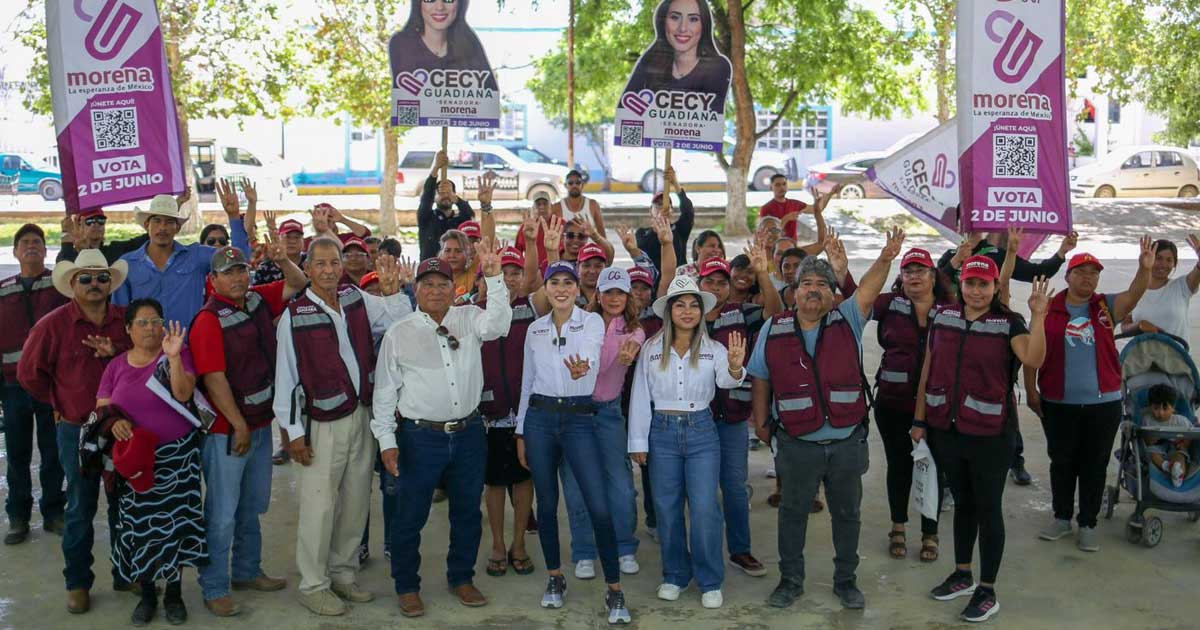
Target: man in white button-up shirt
(430, 374)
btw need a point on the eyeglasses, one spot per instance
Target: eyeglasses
(451, 340)
(574, 182)
(578, 236)
(95, 221)
(100, 278)
(354, 255)
(216, 241)
(147, 323)
(443, 1)
(773, 231)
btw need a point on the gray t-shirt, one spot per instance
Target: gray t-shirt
(1082, 385)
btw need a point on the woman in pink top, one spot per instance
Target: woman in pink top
(623, 338)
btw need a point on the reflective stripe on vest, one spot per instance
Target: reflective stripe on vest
(990, 409)
(40, 285)
(741, 394)
(259, 397)
(487, 396)
(329, 404)
(900, 305)
(893, 377)
(318, 319)
(845, 398)
(935, 400)
(11, 357)
(795, 404)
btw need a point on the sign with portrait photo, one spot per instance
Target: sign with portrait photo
(675, 97)
(440, 74)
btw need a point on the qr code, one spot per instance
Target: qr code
(1014, 156)
(114, 129)
(408, 115)
(631, 135)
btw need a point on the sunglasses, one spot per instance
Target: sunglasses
(100, 278)
(95, 221)
(451, 340)
(443, 1)
(216, 241)
(146, 323)
(574, 182)
(579, 236)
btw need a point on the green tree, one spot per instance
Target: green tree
(786, 54)
(1173, 71)
(933, 24)
(224, 56)
(346, 45)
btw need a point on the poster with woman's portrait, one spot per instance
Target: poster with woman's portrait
(676, 95)
(440, 73)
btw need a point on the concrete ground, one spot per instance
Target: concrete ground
(1041, 584)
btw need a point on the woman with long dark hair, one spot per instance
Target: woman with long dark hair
(437, 36)
(684, 56)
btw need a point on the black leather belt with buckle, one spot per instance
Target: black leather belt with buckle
(562, 405)
(453, 426)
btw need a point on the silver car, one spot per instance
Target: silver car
(515, 178)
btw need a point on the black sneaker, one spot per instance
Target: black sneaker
(364, 554)
(785, 594)
(556, 588)
(1020, 476)
(144, 612)
(983, 605)
(615, 602)
(849, 594)
(958, 584)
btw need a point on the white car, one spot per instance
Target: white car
(515, 178)
(1139, 171)
(213, 159)
(636, 165)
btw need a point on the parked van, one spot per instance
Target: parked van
(515, 177)
(213, 160)
(635, 165)
(31, 175)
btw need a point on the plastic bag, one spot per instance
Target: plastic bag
(924, 484)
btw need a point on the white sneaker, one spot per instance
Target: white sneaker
(1055, 530)
(585, 569)
(712, 599)
(629, 565)
(1177, 474)
(771, 473)
(668, 592)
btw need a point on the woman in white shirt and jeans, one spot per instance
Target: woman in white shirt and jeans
(557, 420)
(1164, 306)
(671, 427)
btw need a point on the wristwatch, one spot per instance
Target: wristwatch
(486, 209)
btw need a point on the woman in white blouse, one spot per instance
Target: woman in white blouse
(671, 427)
(556, 421)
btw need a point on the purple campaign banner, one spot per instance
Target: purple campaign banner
(1012, 136)
(114, 112)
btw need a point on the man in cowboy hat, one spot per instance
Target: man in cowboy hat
(62, 362)
(85, 230)
(167, 270)
(24, 299)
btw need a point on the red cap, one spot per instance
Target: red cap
(512, 256)
(641, 274)
(289, 226)
(434, 265)
(354, 241)
(590, 251)
(916, 256)
(1078, 260)
(134, 459)
(368, 278)
(471, 229)
(980, 267)
(91, 212)
(714, 265)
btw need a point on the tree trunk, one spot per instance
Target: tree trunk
(744, 122)
(387, 187)
(943, 69)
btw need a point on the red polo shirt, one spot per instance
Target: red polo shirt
(56, 368)
(780, 209)
(207, 342)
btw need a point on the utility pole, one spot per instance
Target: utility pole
(571, 86)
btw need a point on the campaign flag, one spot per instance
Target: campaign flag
(114, 113)
(675, 97)
(1012, 135)
(441, 76)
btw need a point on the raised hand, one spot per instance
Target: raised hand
(488, 255)
(250, 191)
(662, 229)
(737, 351)
(529, 227)
(274, 249)
(73, 225)
(408, 270)
(440, 161)
(759, 261)
(835, 251)
(895, 239)
(553, 230)
(628, 352)
(1016, 235)
(227, 193)
(173, 336)
(269, 216)
(1149, 251)
(1040, 296)
(1194, 241)
(578, 366)
(183, 197)
(627, 237)
(321, 221)
(487, 186)
(258, 253)
(103, 346)
(389, 274)
(1068, 243)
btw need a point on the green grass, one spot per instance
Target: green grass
(112, 232)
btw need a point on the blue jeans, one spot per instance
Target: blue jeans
(427, 457)
(83, 495)
(238, 490)
(387, 487)
(618, 483)
(551, 438)
(685, 464)
(23, 418)
(735, 453)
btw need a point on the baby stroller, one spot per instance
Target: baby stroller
(1147, 361)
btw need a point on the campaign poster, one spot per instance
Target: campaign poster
(441, 76)
(923, 177)
(1012, 136)
(675, 97)
(114, 112)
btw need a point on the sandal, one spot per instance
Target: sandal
(929, 548)
(523, 566)
(774, 499)
(497, 567)
(897, 544)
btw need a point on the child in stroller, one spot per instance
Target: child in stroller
(1168, 455)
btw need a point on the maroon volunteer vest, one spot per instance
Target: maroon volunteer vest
(970, 372)
(732, 405)
(903, 342)
(328, 390)
(19, 311)
(249, 338)
(503, 363)
(1053, 375)
(810, 391)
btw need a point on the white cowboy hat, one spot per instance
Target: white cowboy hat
(683, 285)
(87, 260)
(163, 206)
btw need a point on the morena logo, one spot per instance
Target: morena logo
(1018, 46)
(110, 30)
(978, 264)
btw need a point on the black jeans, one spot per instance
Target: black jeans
(1079, 439)
(976, 468)
(1018, 447)
(893, 428)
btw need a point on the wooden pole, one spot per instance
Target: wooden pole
(666, 186)
(571, 85)
(445, 144)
